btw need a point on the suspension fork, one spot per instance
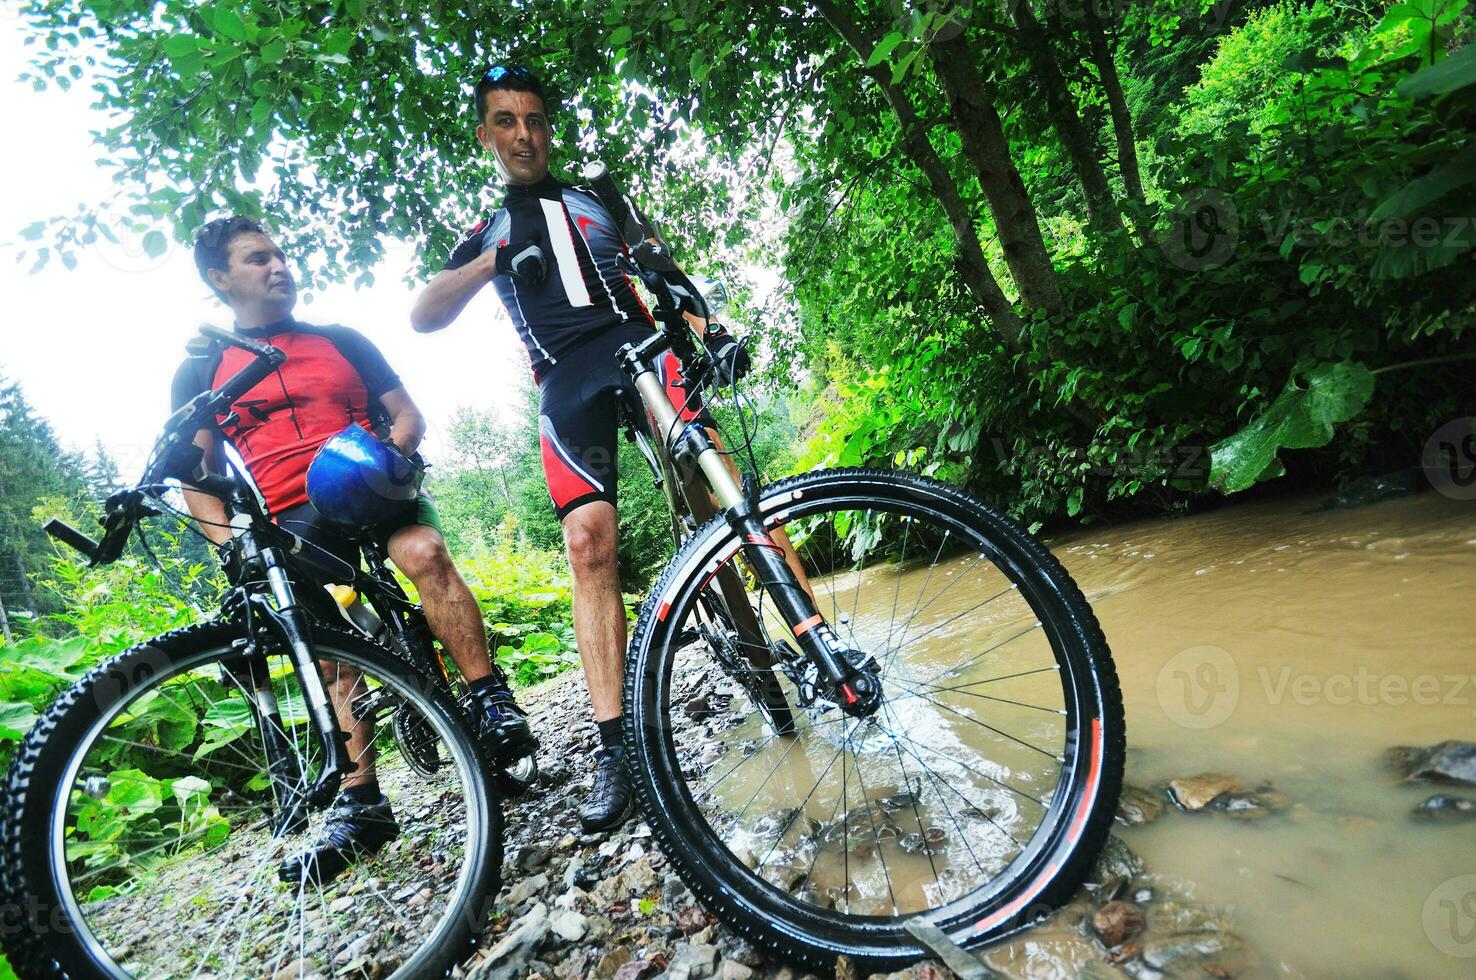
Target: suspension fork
(289, 620)
(857, 691)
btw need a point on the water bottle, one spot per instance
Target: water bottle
(359, 616)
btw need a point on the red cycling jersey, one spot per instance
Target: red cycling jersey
(333, 376)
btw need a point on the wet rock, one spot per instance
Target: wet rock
(599, 928)
(1373, 490)
(1098, 970)
(693, 963)
(1446, 808)
(692, 919)
(1254, 805)
(531, 856)
(739, 950)
(510, 957)
(845, 969)
(1116, 922)
(637, 970)
(730, 970)
(1189, 949)
(527, 890)
(1453, 762)
(1196, 792)
(1139, 806)
(674, 892)
(568, 925)
(611, 962)
(699, 707)
(1115, 861)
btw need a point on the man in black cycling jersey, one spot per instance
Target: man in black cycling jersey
(550, 250)
(333, 377)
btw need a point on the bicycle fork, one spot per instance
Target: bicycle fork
(289, 621)
(856, 690)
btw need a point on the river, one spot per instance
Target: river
(1282, 643)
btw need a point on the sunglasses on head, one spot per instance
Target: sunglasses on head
(498, 72)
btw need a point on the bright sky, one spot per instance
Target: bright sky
(95, 347)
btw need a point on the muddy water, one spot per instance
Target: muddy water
(1274, 642)
(1290, 646)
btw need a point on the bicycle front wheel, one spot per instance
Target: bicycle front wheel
(975, 798)
(143, 830)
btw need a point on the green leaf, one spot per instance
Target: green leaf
(1302, 417)
(647, 906)
(229, 24)
(15, 720)
(620, 36)
(1454, 73)
(1419, 194)
(154, 244)
(884, 48)
(136, 790)
(274, 51)
(1073, 501)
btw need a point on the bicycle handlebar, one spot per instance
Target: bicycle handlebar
(175, 454)
(648, 252)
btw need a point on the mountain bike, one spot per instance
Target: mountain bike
(914, 721)
(148, 814)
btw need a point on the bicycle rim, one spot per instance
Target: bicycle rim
(960, 800)
(162, 848)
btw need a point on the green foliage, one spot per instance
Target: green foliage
(1302, 417)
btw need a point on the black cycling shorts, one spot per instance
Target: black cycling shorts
(305, 522)
(577, 419)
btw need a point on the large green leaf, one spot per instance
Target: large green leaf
(1302, 417)
(15, 720)
(1419, 194)
(52, 657)
(1454, 73)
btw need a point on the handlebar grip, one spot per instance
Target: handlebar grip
(613, 198)
(232, 339)
(71, 537)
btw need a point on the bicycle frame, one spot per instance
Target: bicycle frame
(689, 447)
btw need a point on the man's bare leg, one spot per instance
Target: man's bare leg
(599, 622)
(599, 612)
(343, 684)
(456, 620)
(451, 610)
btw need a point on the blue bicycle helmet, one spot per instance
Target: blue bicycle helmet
(357, 481)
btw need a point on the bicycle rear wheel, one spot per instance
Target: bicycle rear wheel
(138, 823)
(978, 794)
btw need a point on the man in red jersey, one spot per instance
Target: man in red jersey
(333, 377)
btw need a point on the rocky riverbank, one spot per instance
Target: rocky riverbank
(610, 906)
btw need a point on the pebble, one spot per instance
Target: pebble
(1117, 922)
(1196, 792)
(568, 925)
(611, 962)
(1443, 807)
(693, 963)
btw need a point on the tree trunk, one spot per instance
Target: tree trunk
(988, 149)
(25, 583)
(1122, 120)
(971, 262)
(5, 623)
(1080, 146)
